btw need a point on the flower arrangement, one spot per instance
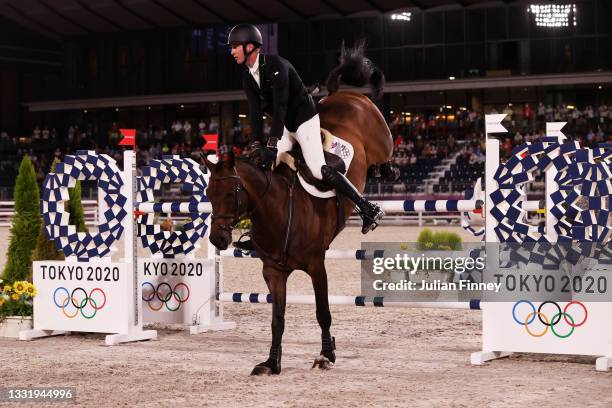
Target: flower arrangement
(16, 299)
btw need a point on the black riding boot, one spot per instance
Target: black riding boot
(369, 213)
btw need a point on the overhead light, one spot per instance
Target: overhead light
(452, 78)
(405, 16)
(449, 107)
(182, 106)
(510, 104)
(148, 108)
(390, 111)
(553, 15)
(116, 109)
(462, 108)
(571, 107)
(85, 111)
(242, 115)
(600, 87)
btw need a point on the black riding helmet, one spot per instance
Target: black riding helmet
(245, 34)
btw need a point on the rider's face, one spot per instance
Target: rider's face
(237, 53)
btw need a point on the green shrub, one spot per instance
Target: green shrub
(425, 239)
(25, 225)
(440, 240)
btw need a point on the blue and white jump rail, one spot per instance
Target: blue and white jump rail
(360, 301)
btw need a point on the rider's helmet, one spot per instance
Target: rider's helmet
(245, 34)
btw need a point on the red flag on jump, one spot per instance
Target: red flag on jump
(129, 137)
(212, 142)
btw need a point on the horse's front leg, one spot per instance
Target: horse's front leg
(327, 357)
(276, 279)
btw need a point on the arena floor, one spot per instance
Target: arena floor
(386, 357)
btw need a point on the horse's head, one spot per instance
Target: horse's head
(227, 197)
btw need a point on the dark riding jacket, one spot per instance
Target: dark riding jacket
(282, 96)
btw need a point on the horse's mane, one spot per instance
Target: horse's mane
(356, 69)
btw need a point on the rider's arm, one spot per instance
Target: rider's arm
(255, 113)
(280, 93)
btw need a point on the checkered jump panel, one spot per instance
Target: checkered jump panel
(172, 169)
(581, 203)
(85, 165)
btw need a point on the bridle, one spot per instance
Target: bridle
(237, 214)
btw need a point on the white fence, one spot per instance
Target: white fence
(90, 209)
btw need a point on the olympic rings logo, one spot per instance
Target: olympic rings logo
(164, 294)
(550, 323)
(79, 299)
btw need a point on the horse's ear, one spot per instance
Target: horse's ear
(209, 165)
(226, 155)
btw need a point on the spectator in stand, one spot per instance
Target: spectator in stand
(507, 147)
(518, 138)
(541, 114)
(187, 129)
(113, 135)
(550, 113)
(527, 115)
(202, 126)
(603, 114)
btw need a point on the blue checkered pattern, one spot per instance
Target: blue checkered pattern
(585, 185)
(172, 169)
(580, 204)
(85, 165)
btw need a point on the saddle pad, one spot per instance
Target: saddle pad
(340, 148)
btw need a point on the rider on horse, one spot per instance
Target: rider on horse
(274, 88)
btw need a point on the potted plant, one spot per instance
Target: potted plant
(16, 305)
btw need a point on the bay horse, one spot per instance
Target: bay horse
(290, 228)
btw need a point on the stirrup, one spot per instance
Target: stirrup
(370, 223)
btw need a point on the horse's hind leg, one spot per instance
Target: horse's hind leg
(276, 279)
(327, 357)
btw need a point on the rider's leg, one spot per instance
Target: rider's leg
(308, 136)
(286, 142)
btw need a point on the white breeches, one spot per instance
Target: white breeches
(308, 135)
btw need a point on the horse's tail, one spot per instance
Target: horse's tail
(356, 69)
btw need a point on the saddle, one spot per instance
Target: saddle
(295, 160)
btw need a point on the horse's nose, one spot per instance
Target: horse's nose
(219, 241)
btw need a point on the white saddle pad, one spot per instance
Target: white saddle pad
(340, 148)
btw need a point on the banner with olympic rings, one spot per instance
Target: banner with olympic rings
(547, 322)
(79, 300)
(86, 297)
(571, 327)
(176, 291)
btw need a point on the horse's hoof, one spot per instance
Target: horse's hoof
(267, 368)
(261, 370)
(322, 363)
